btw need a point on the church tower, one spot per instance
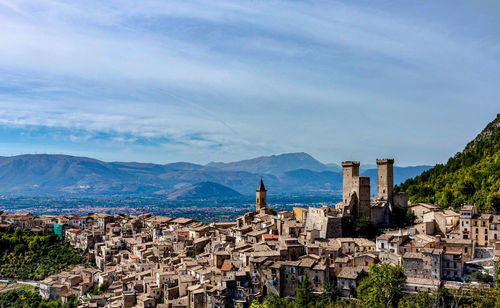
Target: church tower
(261, 197)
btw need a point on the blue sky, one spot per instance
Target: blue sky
(200, 81)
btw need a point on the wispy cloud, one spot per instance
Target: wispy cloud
(250, 78)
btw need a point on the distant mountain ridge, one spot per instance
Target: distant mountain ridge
(275, 164)
(62, 175)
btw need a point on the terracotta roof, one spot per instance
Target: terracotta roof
(270, 236)
(227, 266)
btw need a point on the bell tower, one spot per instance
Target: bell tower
(261, 197)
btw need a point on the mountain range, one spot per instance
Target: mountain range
(62, 175)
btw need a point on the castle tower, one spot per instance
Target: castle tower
(385, 178)
(350, 171)
(363, 191)
(261, 197)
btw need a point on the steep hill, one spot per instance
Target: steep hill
(203, 190)
(471, 176)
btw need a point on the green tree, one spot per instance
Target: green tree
(363, 227)
(304, 293)
(382, 287)
(27, 256)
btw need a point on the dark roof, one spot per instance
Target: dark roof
(261, 186)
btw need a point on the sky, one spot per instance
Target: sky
(201, 81)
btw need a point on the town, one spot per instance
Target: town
(158, 261)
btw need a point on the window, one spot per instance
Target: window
(477, 230)
(485, 231)
(466, 249)
(475, 223)
(485, 237)
(484, 223)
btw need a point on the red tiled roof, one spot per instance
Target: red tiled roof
(270, 236)
(227, 266)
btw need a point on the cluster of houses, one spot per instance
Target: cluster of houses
(158, 261)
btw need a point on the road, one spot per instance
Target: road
(25, 282)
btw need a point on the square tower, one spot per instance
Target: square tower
(364, 197)
(350, 171)
(385, 178)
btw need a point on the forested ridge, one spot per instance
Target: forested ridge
(470, 177)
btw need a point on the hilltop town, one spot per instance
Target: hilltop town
(158, 261)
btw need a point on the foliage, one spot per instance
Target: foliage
(363, 227)
(306, 298)
(480, 277)
(401, 217)
(471, 176)
(304, 293)
(101, 289)
(271, 211)
(256, 304)
(34, 257)
(382, 287)
(421, 300)
(29, 297)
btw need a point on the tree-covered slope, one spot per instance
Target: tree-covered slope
(34, 257)
(471, 176)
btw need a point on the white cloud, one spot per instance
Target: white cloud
(252, 77)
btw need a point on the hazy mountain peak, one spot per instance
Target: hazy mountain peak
(273, 164)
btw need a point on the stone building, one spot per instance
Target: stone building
(385, 179)
(425, 264)
(356, 193)
(328, 223)
(355, 190)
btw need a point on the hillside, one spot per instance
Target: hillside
(471, 176)
(203, 190)
(34, 257)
